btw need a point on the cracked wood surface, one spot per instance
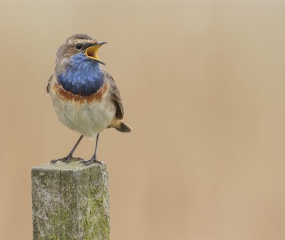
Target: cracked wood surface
(70, 201)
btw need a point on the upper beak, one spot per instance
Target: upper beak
(92, 52)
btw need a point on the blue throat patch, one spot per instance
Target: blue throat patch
(83, 76)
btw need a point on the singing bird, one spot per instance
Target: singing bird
(85, 96)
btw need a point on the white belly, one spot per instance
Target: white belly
(88, 119)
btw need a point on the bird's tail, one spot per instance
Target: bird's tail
(124, 127)
(120, 126)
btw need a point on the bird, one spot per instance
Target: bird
(85, 96)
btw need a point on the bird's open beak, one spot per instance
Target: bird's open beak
(92, 52)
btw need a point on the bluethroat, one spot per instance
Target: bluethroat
(85, 96)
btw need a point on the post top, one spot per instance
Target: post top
(72, 166)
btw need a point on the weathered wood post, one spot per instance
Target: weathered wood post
(70, 201)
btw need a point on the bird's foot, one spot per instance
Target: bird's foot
(66, 159)
(89, 162)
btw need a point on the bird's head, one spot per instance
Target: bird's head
(79, 44)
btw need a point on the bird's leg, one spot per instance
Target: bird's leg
(94, 157)
(69, 157)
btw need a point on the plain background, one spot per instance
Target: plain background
(202, 84)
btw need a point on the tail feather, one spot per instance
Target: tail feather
(122, 127)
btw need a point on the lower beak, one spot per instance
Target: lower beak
(92, 52)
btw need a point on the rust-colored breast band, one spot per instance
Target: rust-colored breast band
(68, 96)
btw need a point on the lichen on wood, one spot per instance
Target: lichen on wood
(70, 201)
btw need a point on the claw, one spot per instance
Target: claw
(89, 162)
(66, 159)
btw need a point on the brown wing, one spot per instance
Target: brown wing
(49, 82)
(115, 95)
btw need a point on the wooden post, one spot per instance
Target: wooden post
(70, 201)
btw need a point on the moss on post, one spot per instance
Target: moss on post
(70, 201)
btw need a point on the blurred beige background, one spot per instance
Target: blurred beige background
(203, 88)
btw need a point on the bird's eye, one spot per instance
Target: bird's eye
(78, 46)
